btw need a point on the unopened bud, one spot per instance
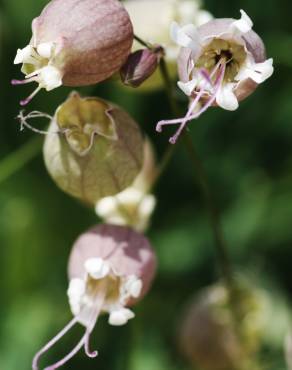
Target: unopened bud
(93, 148)
(76, 43)
(140, 66)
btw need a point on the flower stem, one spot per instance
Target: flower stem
(142, 42)
(19, 158)
(221, 249)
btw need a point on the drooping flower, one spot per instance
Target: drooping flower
(135, 205)
(75, 43)
(221, 63)
(208, 337)
(110, 269)
(152, 19)
(93, 148)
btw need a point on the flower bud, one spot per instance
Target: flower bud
(208, 337)
(152, 19)
(133, 206)
(221, 63)
(110, 268)
(76, 43)
(140, 66)
(93, 148)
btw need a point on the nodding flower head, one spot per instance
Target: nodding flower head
(110, 268)
(207, 336)
(93, 148)
(220, 63)
(75, 43)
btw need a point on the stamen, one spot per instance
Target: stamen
(52, 342)
(205, 74)
(30, 97)
(221, 66)
(21, 82)
(189, 116)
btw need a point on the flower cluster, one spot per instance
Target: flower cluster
(95, 151)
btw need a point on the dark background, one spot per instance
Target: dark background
(248, 157)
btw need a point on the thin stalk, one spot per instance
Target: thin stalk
(221, 248)
(19, 158)
(142, 42)
(223, 258)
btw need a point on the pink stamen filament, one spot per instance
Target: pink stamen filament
(30, 97)
(84, 341)
(32, 77)
(220, 68)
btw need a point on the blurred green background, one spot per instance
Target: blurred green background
(248, 157)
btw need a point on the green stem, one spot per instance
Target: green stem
(19, 158)
(221, 249)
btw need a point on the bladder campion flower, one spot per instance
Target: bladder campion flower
(151, 20)
(93, 148)
(221, 63)
(75, 43)
(110, 268)
(133, 206)
(208, 338)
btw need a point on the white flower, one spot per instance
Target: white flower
(38, 68)
(102, 287)
(133, 206)
(221, 63)
(152, 19)
(130, 207)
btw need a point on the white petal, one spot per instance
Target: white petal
(50, 78)
(147, 205)
(226, 98)
(186, 36)
(258, 72)
(106, 206)
(75, 293)
(45, 49)
(204, 17)
(244, 24)
(24, 55)
(97, 268)
(130, 196)
(188, 87)
(120, 317)
(76, 288)
(133, 286)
